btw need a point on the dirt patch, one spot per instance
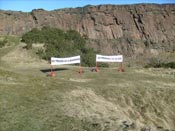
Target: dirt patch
(80, 80)
(85, 104)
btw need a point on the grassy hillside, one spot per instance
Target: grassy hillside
(136, 100)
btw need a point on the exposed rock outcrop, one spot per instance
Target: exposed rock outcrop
(129, 29)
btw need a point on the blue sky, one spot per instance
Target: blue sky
(29, 5)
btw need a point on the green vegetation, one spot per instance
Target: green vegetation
(165, 65)
(2, 43)
(138, 99)
(59, 43)
(8, 41)
(156, 63)
(102, 101)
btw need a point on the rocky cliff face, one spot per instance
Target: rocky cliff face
(127, 29)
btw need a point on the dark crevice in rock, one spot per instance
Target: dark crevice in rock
(117, 21)
(135, 21)
(140, 18)
(93, 19)
(34, 18)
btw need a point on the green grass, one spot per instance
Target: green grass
(105, 101)
(33, 101)
(10, 40)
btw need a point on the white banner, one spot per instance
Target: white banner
(63, 61)
(114, 58)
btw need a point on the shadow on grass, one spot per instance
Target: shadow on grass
(75, 70)
(55, 69)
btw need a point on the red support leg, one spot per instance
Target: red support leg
(80, 70)
(121, 69)
(52, 74)
(96, 68)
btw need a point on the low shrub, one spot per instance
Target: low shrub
(103, 65)
(156, 63)
(2, 43)
(59, 43)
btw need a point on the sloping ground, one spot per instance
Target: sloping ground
(20, 56)
(136, 100)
